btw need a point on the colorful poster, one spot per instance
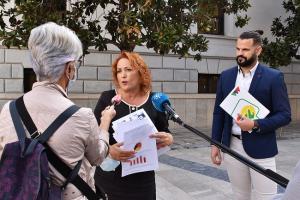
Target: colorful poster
(242, 102)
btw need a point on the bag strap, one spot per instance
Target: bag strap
(70, 175)
(18, 126)
(29, 124)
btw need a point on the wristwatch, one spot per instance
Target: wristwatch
(256, 126)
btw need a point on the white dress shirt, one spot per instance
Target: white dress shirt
(244, 81)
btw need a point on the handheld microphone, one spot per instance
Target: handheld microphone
(161, 103)
(116, 100)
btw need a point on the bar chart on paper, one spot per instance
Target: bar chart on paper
(138, 160)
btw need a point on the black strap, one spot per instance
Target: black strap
(70, 175)
(29, 124)
(18, 126)
(57, 123)
(73, 174)
(77, 180)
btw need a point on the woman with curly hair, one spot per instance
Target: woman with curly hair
(132, 80)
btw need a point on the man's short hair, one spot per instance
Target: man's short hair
(255, 35)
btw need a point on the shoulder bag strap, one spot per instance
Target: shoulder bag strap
(18, 125)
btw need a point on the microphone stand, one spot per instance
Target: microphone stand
(282, 181)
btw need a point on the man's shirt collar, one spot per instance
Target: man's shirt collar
(252, 71)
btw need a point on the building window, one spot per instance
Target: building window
(211, 19)
(207, 83)
(29, 79)
(57, 5)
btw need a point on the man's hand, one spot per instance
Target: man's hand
(244, 123)
(215, 155)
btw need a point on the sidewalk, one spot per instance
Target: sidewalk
(186, 172)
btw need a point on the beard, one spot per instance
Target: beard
(244, 62)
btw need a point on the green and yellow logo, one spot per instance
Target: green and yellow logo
(248, 111)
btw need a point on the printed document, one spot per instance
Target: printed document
(134, 130)
(242, 102)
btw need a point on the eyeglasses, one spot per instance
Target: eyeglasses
(78, 63)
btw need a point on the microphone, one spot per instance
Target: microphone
(161, 103)
(116, 100)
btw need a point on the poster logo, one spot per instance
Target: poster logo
(245, 109)
(249, 112)
(236, 91)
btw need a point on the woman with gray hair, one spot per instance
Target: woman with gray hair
(55, 53)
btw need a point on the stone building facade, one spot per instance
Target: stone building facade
(179, 78)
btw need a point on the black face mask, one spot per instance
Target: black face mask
(246, 63)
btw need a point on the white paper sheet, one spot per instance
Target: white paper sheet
(134, 131)
(242, 102)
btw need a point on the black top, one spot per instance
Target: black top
(135, 186)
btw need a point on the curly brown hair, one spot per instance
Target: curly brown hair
(138, 63)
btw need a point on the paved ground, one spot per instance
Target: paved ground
(186, 172)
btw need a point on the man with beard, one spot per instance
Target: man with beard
(254, 139)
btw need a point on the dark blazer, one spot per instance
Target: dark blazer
(268, 88)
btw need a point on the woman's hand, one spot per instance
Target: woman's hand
(106, 116)
(119, 154)
(162, 139)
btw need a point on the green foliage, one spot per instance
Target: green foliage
(287, 37)
(161, 25)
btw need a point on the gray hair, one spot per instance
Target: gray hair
(51, 46)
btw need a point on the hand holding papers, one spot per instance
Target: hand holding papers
(134, 131)
(243, 103)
